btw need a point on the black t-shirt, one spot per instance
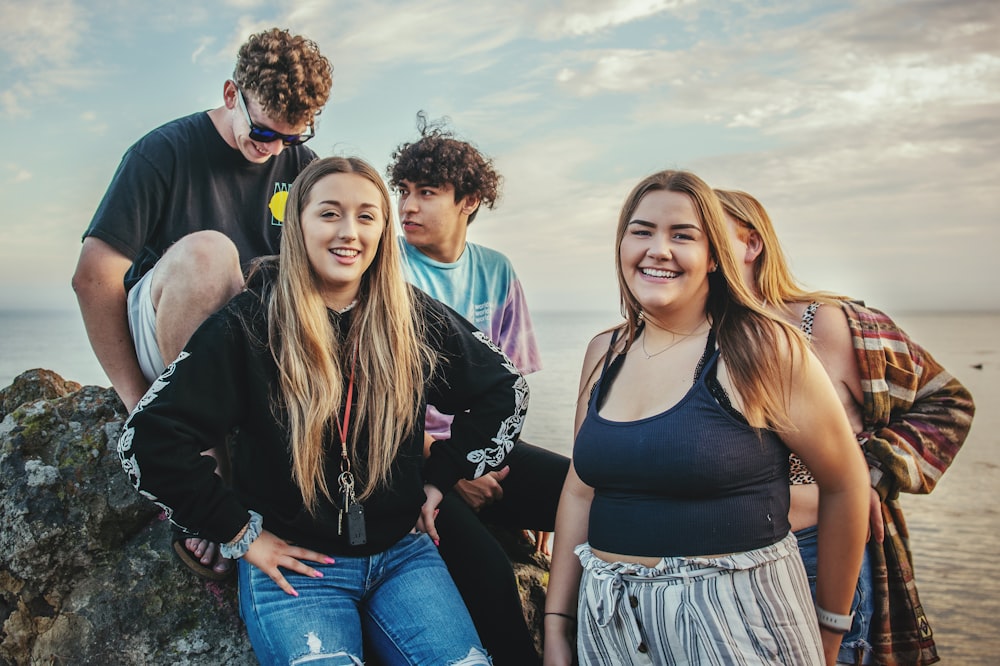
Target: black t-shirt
(183, 177)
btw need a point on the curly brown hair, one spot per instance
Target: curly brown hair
(438, 158)
(287, 75)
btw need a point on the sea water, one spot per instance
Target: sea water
(955, 531)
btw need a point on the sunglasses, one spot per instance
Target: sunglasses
(266, 135)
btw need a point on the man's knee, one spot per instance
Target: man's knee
(203, 266)
(202, 250)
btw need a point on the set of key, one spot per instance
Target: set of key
(354, 511)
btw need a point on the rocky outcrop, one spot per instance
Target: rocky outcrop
(86, 571)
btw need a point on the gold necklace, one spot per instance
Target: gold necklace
(680, 338)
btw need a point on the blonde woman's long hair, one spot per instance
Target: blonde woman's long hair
(750, 338)
(393, 360)
(773, 279)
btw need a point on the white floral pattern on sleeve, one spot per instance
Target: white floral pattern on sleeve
(510, 427)
(129, 463)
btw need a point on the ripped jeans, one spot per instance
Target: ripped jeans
(400, 603)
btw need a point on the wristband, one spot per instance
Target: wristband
(833, 621)
(238, 548)
(565, 615)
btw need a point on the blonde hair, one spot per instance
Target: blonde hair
(393, 359)
(751, 339)
(773, 279)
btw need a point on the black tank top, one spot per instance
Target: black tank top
(693, 480)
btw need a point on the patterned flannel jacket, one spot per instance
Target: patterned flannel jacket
(916, 417)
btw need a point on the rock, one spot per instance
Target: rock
(531, 570)
(86, 569)
(31, 386)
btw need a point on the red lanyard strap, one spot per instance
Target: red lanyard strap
(345, 462)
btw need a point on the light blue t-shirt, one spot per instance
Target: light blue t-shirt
(482, 287)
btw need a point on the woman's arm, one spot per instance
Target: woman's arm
(822, 438)
(478, 384)
(572, 519)
(189, 409)
(564, 573)
(834, 346)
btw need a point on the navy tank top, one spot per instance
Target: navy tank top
(696, 479)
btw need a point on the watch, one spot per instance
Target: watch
(834, 621)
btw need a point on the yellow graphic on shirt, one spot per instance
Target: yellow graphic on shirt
(277, 206)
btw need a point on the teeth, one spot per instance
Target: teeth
(655, 272)
(344, 252)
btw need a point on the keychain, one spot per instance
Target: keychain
(356, 534)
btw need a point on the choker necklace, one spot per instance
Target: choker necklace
(680, 338)
(350, 306)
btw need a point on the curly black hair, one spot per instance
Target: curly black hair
(288, 76)
(438, 158)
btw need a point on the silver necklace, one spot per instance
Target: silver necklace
(350, 306)
(681, 338)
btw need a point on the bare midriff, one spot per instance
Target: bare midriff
(641, 560)
(804, 509)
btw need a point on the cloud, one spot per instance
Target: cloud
(18, 173)
(832, 85)
(245, 4)
(40, 32)
(844, 68)
(601, 15)
(93, 123)
(203, 45)
(556, 225)
(40, 43)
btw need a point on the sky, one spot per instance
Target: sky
(870, 129)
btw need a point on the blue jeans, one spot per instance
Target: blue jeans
(854, 648)
(401, 604)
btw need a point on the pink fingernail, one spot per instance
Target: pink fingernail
(329, 560)
(317, 574)
(294, 593)
(437, 542)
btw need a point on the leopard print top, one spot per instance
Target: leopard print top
(798, 473)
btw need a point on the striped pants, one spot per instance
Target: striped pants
(751, 608)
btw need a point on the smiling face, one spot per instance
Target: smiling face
(257, 152)
(665, 257)
(342, 224)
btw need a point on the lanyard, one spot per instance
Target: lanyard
(345, 462)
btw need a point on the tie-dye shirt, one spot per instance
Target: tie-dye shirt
(482, 287)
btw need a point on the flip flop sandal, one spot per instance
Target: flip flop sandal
(193, 563)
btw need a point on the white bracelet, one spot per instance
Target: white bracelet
(834, 621)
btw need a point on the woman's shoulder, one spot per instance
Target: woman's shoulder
(601, 343)
(831, 333)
